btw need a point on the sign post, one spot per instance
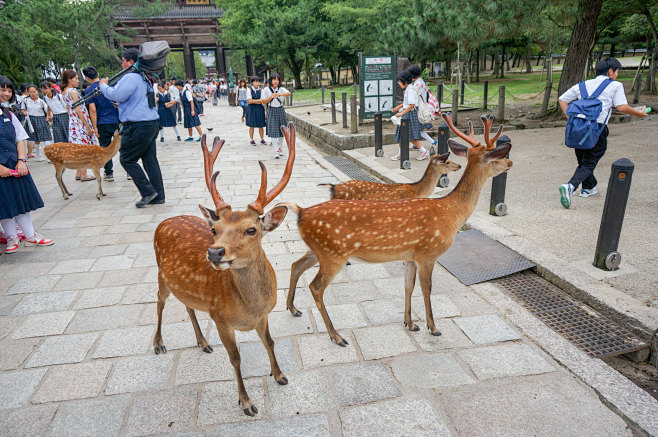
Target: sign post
(377, 80)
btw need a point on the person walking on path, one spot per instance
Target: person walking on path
(241, 97)
(81, 131)
(199, 93)
(58, 110)
(255, 111)
(17, 190)
(422, 90)
(104, 117)
(212, 89)
(38, 114)
(190, 117)
(408, 112)
(276, 113)
(612, 95)
(139, 116)
(167, 117)
(174, 94)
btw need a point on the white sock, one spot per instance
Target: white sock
(161, 133)
(176, 130)
(423, 149)
(9, 225)
(275, 143)
(25, 222)
(426, 136)
(37, 149)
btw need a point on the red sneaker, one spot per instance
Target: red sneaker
(12, 245)
(38, 240)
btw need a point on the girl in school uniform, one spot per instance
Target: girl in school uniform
(407, 111)
(35, 109)
(17, 190)
(241, 97)
(273, 95)
(167, 117)
(81, 130)
(422, 90)
(60, 115)
(255, 111)
(190, 117)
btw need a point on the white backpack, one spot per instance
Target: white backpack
(425, 113)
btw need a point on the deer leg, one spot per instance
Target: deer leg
(298, 268)
(58, 175)
(97, 173)
(409, 282)
(318, 285)
(425, 277)
(263, 331)
(227, 336)
(163, 294)
(200, 339)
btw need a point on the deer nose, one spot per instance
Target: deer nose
(216, 255)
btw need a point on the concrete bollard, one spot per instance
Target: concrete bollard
(638, 89)
(497, 203)
(501, 104)
(455, 107)
(606, 256)
(441, 148)
(405, 163)
(354, 114)
(379, 146)
(547, 98)
(486, 94)
(333, 107)
(344, 96)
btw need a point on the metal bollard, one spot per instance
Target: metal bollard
(333, 107)
(497, 203)
(462, 92)
(322, 89)
(606, 256)
(440, 93)
(354, 121)
(344, 110)
(292, 91)
(379, 146)
(455, 106)
(486, 94)
(405, 163)
(441, 148)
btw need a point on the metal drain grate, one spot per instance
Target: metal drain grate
(351, 169)
(591, 332)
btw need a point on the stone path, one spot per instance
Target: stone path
(77, 320)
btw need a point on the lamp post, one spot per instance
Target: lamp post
(107, 42)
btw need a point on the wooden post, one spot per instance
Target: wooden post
(333, 107)
(455, 105)
(501, 104)
(292, 91)
(638, 88)
(354, 120)
(547, 97)
(344, 110)
(486, 94)
(439, 94)
(322, 89)
(462, 91)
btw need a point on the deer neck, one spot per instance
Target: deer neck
(467, 192)
(256, 279)
(425, 186)
(112, 149)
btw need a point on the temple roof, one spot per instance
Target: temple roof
(175, 13)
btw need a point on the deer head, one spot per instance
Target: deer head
(237, 235)
(488, 158)
(441, 163)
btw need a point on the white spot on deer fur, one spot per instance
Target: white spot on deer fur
(436, 234)
(357, 244)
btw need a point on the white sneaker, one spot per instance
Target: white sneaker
(586, 193)
(566, 190)
(423, 155)
(277, 153)
(40, 158)
(395, 158)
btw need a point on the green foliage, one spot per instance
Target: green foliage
(175, 66)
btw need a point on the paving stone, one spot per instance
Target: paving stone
(254, 360)
(145, 260)
(140, 373)
(307, 426)
(404, 417)
(27, 421)
(7, 324)
(363, 271)
(140, 293)
(442, 307)
(17, 387)
(100, 319)
(353, 292)
(194, 366)
(62, 350)
(115, 262)
(99, 297)
(283, 324)
(76, 381)
(219, 402)
(125, 342)
(513, 409)
(160, 411)
(451, 337)
(384, 311)
(14, 352)
(34, 284)
(7, 303)
(39, 325)
(174, 312)
(470, 304)
(45, 302)
(134, 275)
(90, 417)
(487, 329)
(429, 371)
(72, 266)
(505, 360)
(306, 392)
(240, 336)
(78, 281)
(100, 251)
(345, 316)
(318, 350)
(383, 341)
(181, 335)
(364, 382)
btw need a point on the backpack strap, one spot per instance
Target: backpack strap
(601, 87)
(583, 90)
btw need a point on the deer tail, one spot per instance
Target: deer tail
(332, 189)
(291, 206)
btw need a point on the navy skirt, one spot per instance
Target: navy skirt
(167, 118)
(19, 195)
(415, 126)
(188, 120)
(255, 115)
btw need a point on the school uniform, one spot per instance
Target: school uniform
(167, 118)
(174, 94)
(60, 117)
(19, 194)
(189, 120)
(107, 121)
(411, 98)
(255, 111)
(36, 112)
(276, 113)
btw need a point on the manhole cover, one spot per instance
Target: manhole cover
(351, 169)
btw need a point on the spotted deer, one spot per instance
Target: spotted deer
(366, 190)
(218, 265)
(79, 156)
(416, 231)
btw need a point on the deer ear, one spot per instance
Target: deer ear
(210, 215)
(273, 218)
(458, 149)
(444, 157)
(498, 153)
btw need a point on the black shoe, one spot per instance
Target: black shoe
(157, 202)
(146, 200)
(162, 139)
(177, 138)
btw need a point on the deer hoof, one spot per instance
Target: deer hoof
(414, 328)
(160, 350)
(297, 314)
(251, 411)
(208, 349)
(282, 381)
(342, 343)
(436, 333)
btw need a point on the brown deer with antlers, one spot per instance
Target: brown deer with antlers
(366, 190)
(218, 265)
(80, 156)
(416, 231)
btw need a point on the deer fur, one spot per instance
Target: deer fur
(416, 231)
(217, 265)
(81, 156)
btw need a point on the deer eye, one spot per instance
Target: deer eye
(250, 231)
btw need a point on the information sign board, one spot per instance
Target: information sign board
(377, 85)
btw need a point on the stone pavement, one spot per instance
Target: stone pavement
(77, 320)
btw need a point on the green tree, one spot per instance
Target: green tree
(175, 66)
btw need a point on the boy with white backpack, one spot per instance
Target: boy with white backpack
(587, 131)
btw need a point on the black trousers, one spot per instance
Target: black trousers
(587, 161)
(179, 115)
(105, 133)
(138, 142)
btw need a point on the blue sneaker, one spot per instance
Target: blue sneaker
(566, 190)
(188, 139)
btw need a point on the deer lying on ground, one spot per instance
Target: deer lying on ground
(416, 231)
(365, 190)
(218, 265)
(80, 156)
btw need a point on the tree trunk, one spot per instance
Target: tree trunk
(652, 68)
(295, 67)
(332, 73)
(502, 64)
(496, 63)
(581, 40)
(528, 53)
(613, 47)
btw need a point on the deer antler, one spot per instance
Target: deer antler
(470, 138)
(487, 120)
(263, 199)
(209, 159)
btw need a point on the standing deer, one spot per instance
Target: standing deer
(79, 156)
(218, 265)
(365, 190)
(416, 231)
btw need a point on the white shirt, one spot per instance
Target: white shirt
(274, 103)
(188, 95)
(35, 109)
(55, 104)
(410, 96)
(18, 127)
(613, 95)
(421, 87)
(174, 93)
